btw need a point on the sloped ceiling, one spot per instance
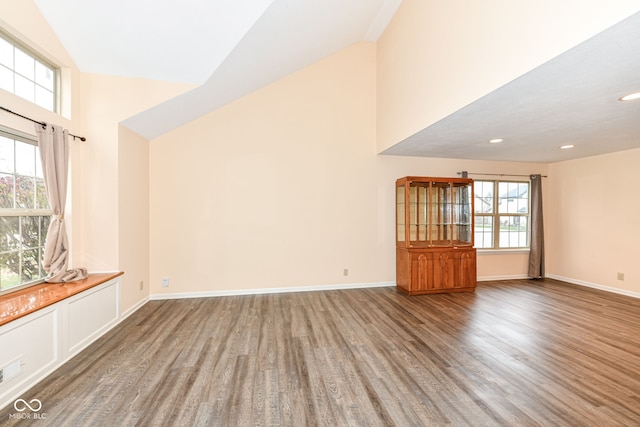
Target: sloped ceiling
(178, 41)
(231, 48)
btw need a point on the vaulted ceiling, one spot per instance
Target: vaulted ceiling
(230, 48)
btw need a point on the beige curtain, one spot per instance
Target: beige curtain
(54, 155)
(536, 250)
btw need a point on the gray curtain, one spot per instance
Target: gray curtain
(536, 254)
(54, 155)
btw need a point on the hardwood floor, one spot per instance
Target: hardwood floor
(515, 353)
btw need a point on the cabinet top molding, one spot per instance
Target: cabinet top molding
(434, 179)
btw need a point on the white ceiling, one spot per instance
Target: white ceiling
(180, 41)
(231, 48)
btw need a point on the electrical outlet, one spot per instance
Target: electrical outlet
(345, 272)
(141, 284)
(165, 282)
(621, 276)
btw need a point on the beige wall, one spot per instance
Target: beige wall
(437, 56)
(283, 188)
(593, 230)
(114, 178)
(133, 216)
(265, 192)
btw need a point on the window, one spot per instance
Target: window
(24, 212)
(501, 214)
(27, 75)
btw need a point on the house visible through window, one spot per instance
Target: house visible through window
(27, 75)
(24, 212)
(501, 214)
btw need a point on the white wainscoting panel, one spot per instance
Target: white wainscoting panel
(44, 340)
(91, 315)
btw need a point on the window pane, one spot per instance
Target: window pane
(44, 226)
(25, 192)
(6, 155)
(6, 191)
(6, 53)
(41, 195)
(25, 64)
(25, 159)
(25, 88)
(514, 197)
(31, 265)
(39, 173)
(30, 232)
(44, 76)
(484, 196)
(6, 79)
(21, 237)
(9, 233)
(514, 231)
(483, 231)
(44, 98)
(523, 198)
(9, 270)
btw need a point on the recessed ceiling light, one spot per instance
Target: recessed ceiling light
(496, 140)
(630, 97)
(564, 147)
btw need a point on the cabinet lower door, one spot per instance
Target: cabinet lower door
(436, 270)
(443, 270)
(464, 268)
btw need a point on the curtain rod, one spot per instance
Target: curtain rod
(43, 124)
(495, 174)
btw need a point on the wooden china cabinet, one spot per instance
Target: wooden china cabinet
(434, 235)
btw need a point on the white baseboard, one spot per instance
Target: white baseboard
(512, 277)
(128, 312)
(594, 285)
(260, 291)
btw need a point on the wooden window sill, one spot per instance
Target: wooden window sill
(25, 301)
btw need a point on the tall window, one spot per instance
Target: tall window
(24, 212)
(501, 214)
(27, 75)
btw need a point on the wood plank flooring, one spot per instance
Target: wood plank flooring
(515, 353)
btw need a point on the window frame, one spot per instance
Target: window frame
(495, 215)
(17, 44)
(25, 212)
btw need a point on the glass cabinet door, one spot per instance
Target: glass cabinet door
(400, 214)
(462, 215)
(440, 207)
(433, 212)
(418, 213)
